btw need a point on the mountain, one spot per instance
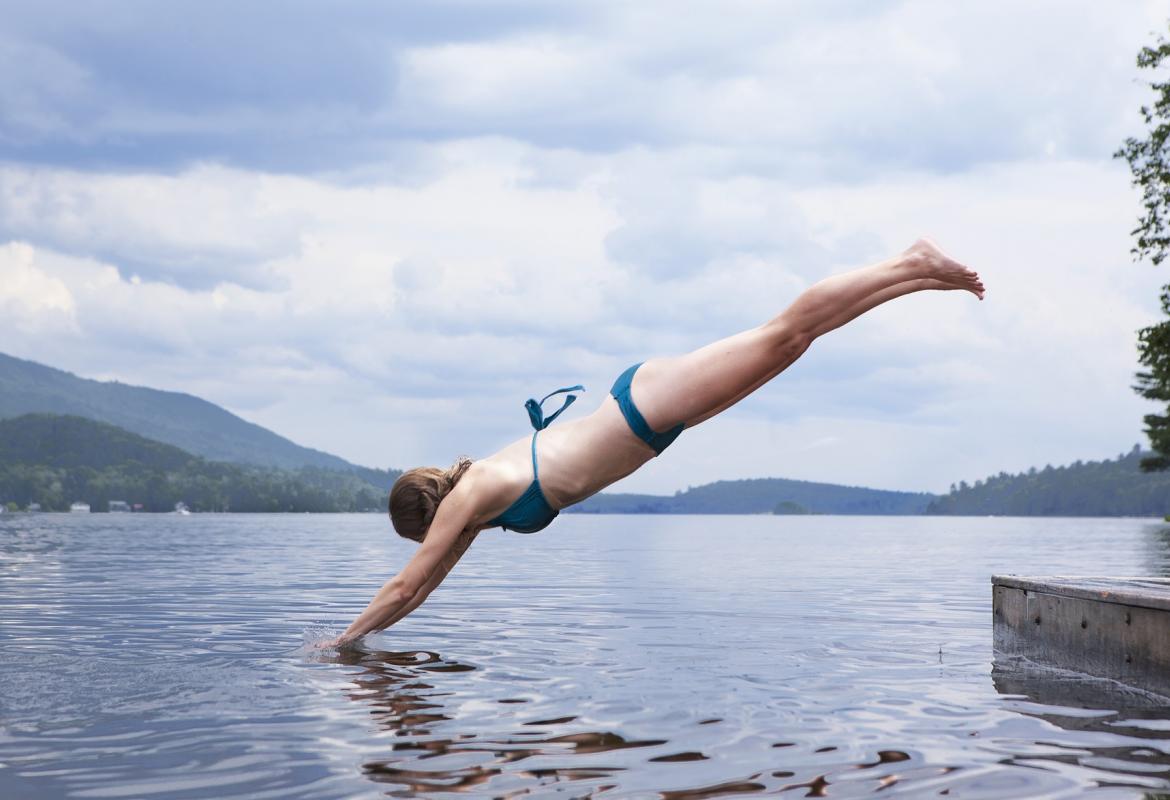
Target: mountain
(50, 440)
(54, 460)
(187, 422)
(1095, 488)
(762, 496)
(199, 428)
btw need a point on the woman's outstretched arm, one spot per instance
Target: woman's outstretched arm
(445, 566)
(446, 541)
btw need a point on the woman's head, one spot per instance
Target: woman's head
(416, 495)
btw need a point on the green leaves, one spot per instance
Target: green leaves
(1148, 162)
(55, 460)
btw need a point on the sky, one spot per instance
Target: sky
(377, 228)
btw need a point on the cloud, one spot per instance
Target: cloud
(277, 85)
(831, 90)
(208, 226)
(383, 249)
(428, 313)
(676, 223)
(32, 300)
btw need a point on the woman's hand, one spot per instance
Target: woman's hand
(339, 642)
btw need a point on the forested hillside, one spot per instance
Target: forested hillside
(1114, 487)
(55, 460)
(182, 420)
(762, 496)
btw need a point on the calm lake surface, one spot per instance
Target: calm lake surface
(161, 656)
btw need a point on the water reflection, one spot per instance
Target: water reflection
(405, 704)
(407, 696)
(1157, 537)
(1118, 728)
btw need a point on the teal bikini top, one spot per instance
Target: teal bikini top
(531, 511)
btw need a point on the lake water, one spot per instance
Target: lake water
(161, 656)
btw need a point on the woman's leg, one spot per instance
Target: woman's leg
(694, 387)
(876, 299)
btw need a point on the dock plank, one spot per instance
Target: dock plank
(1144, 592)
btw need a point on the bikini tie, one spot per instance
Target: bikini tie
(536, 412)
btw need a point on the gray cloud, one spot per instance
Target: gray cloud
(274, 85)
(192, 233)
(294, 87)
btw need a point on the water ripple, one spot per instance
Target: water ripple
(175, 657)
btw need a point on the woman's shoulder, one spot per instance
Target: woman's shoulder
(489, 485)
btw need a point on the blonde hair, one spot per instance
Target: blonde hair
(416, 495)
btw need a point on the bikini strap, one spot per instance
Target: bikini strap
(540, 422)
(536, 411)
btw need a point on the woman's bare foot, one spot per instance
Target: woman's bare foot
(938, 266)
(935, 283)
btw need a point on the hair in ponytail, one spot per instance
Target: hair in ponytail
(416, 495)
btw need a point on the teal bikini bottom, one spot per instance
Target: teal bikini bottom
(634, 418)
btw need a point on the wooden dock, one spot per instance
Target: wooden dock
(1117, 628)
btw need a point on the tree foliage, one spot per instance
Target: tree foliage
(1153, 383)
(761, 496)
(1083, 489)
(1149, 162)
(56, 460)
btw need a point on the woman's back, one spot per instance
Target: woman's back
(574, 458)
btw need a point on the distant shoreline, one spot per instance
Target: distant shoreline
(65, 440)
(568, 512)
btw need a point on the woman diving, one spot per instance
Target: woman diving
(523, 486)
